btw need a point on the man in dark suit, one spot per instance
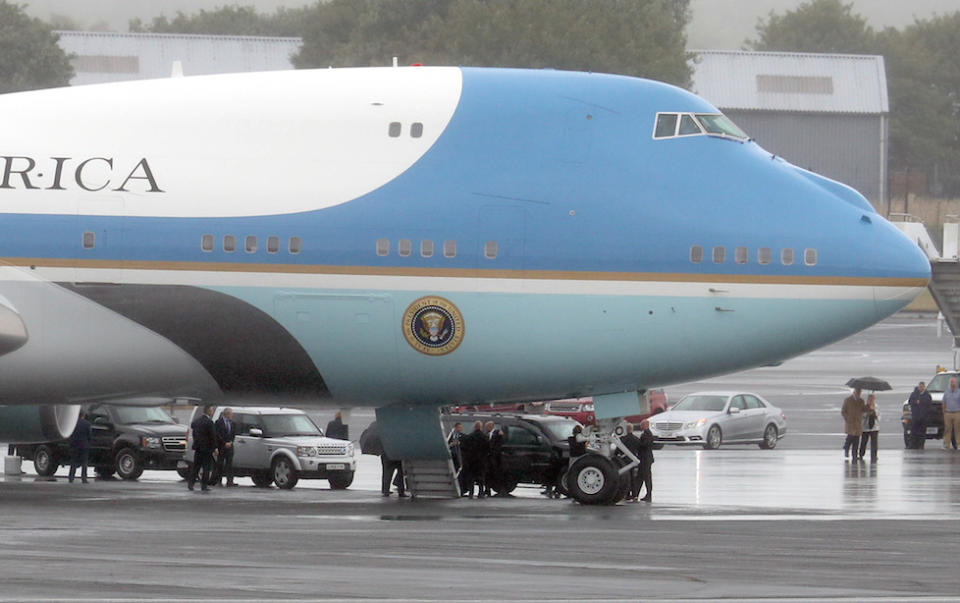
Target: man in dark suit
(225, 435)
(80, 442)
(920, 410)
(204, 445)
(646, 460)
(474, 449)
(633, 444)
(336, 429)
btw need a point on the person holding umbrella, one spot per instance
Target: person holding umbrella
(852, 412)
(871, 427)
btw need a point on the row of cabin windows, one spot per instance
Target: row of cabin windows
(250, 243)
(741, 255)
(396, 128)
(405, 248)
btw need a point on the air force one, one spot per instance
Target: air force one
(407, 238)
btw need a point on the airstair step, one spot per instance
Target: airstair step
(431, 478)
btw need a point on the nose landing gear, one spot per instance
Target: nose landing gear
(601, 477)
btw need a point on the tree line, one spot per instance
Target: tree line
(643, 38)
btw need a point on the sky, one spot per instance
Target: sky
(716, 24)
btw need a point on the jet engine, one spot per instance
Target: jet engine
(44, 423)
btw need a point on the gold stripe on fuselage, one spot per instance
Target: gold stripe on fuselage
(561, 275)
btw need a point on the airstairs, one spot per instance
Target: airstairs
(431, 478)
(945, 270)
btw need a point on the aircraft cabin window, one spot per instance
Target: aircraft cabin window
(295, 245)
(740, 255)
(786, 256)
(416, 129)
(688, 126)
(229, 243)
(696, 254)
(404, 247)
(394, 130)
(89, 239)
(719, 255)
(666, 125)
(810, 257)
(383, 246)
(763, 256)
(490, 250)
(250, 244)
(426, 248)
(206, 242)
(449, 249)
(273, 244)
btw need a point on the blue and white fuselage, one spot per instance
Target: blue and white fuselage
(416, 235)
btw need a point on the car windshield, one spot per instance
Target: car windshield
(560, 430)
(712, 403)
(141, 414)
(720, 125)
(941, 382)
(276, 426)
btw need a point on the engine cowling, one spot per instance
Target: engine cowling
(44, 423)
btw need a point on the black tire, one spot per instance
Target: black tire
(657, 446)
(907, 440)
(262, 479)
(341, 480)
(769, 437)
(506, 484)
(714, 438)
(593, 480)
(284, 473)
(128, 464)
(624, 490)
(184, 471)
(45, 461)
(104, 471)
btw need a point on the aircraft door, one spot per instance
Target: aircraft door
(500, 238)
(100, 235)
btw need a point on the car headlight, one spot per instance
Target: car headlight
(306, 451)
(150, 442)
(697, 423)
(588, 407)
(350, 449)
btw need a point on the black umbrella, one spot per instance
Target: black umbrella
(370, 440)
(869, 383)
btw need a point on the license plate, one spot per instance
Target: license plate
(336, 467)
(931, 430)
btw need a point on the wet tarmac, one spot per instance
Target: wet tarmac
(740, 523)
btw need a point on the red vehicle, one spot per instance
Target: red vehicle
(581, 409)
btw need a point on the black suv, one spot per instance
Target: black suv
(535, 447)
(126, 440)
(939, 384)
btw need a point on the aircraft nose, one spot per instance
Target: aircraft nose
(902, 268)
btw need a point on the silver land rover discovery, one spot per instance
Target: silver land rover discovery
(283, 445)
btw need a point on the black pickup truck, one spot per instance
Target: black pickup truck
(126, 440)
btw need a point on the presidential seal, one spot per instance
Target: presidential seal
(433, 326)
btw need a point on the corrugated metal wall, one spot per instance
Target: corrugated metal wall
(843, 147)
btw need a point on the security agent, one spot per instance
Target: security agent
(225, 437)
(920, 407)
(80, 442)
(204, 446)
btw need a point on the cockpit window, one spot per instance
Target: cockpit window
(720, 125)
(666, 125)
(670, 125)
(688, 126)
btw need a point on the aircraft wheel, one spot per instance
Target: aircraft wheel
(593, 480)
(44, 461)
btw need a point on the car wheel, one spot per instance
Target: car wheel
(769, 438)
(507, 484)
(657, 446)
(44, 461)
(341, 480)
(128, 464)
(104, 471)
(593, 480)
(184, 471)
(907, 440)
(262, 479)
(284, 474)
(714, 438)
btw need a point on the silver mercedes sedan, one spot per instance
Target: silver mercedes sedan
(709, 419)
